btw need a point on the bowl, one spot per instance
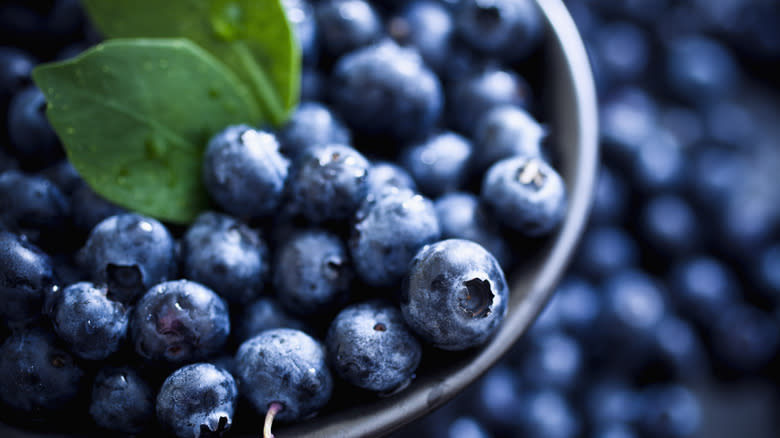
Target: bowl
(571, 112)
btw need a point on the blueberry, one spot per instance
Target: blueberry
(526, 194)
(627, 117)
(385, 174)
(506, 131)
(623, 49)
(659, 163)
(699, 68)
(15, 68)
(605, 251)
(455, 296)
(678, 345)
(312, 124)
(473, 96)
(90, 323)
(284, 366)
(239, 157)
(612, 400)
(130, 253)
(225, 255)
(578, 305)
(614, 430)
(37, 376)
(499, 393)
(549, 414)
(703, 286)
(634, 306)
(369, 345)
(122, 401)
(767, 269)
(197, 400)
(89, 208)
(26, 278)
(265, 313)
(745, 337)
(610, 197)
(554, 360)
(508, 29)
(63, 175)
(346, 25)
(462, 216)
(388, 232)
(428, 26)
(300, 13)
(668, 224)
(33, 206)
(386, 91)
(329, 182)
(439, 164)
(467, 427)
(179, 321)
(670, 410)
(713, 171)
(32, 137)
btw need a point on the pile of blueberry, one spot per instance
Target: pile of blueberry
(369, 231)
(668, 322)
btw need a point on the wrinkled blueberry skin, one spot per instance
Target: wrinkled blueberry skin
(345, 25)
(311, 124)
(197, 400)
(26, 278)
(37, 376)
(526, 194)
(329, 182)
(312, 273)
(370, 346)
(130, 253)
(31, 135)
(455, 296)
(386, 90)
(90, 323)
(33, 206)
(240, 157)
(122, 401)
(384, 174)
(508, 29)
(477, 93)
(179, 321)
(462, 216)
(226, 256)
(439, 164)
(506, 131)
(388, 232)
(285, 366)
(265, 313)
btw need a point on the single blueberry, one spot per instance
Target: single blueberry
(225, 255)
(462, 216)
(37, 376)
(623, 48)
(91, 324)
(578, 305)
(122, 401)
(678, 344)
(670, 410)
(669, 224)
(659, 163)
(15, 68)
(634, 306)
(312, 124)
(328, 182)
(388, 232)
(605, 251)
(369, 345)
(239, 157)
(506, 131)
(498, 395)
(179, 321)
(610, 197)
(554, 360)
(346, 25)
(713, 171)
(197, 400)
(130, 253)
(550, 415)
(508, 29)
(385, 174)
(26, 278)
(428, 26)
(473, 96)
(455, 296)
(526, 194)
(439, 164)
(32, 137)
(300, 13)
(628, 116)
(287, 367)
(612, 400)
(703, 286)
(385, 90)
(699, 68)
(265, 313)
(34, 206)
(467, 427)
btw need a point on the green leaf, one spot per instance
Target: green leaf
(135, 117)
(252, 37)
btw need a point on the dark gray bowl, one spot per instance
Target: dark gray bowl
(571, 111)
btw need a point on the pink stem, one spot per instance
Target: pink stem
(273, 409)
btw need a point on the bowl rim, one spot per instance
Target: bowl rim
(387, 415)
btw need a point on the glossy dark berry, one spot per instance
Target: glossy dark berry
(26, 278)
(506, 131)
(525, 194)
(455, 295)
(284, 366)
(179, 321)
(265, 313)
(225, 255)
(33, 206)
(386, 90)
(329, 182)
(122, 401)
(312, 124)
(37, 375)
(90, 323)
(32, 137)
(197, 400)
(369, 345)
(473, 96)
(440, 164)
(239, 157)
(508, 29)
(345, 25)
(130, 253)
(388, 232)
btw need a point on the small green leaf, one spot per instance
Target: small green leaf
(252, 37)
(135, 117)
